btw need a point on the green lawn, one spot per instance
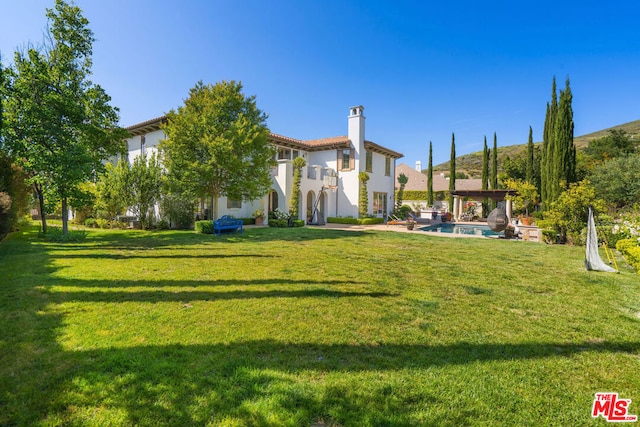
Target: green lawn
(302, 326)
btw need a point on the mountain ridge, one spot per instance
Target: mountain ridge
(471, 163)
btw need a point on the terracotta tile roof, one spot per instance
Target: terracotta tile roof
(309, 144)
(344, 140)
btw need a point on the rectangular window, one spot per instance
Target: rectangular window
(345, 160)
(284, 154)
(379, 204)
(234, 204)
(296, 154)
(387, 166)
(369, 162)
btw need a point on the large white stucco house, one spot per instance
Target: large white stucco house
(331, 162)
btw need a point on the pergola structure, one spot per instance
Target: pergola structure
(479, 195)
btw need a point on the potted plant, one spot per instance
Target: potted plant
(259, 216)
(410, 223)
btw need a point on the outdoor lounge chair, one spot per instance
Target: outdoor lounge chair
(394, 220)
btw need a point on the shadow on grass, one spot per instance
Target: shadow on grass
(150, 254)
(160, 296)
(253, 382)
(197, 283)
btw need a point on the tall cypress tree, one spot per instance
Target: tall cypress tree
(548, 175)
(558, 168)
(452, 171)
(565, 161)
(485, 177)
(493, 174)
(430, 176)
(494, 163)
(529, 164)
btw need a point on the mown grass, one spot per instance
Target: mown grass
(302, 326)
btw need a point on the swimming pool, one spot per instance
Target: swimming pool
(469, 229)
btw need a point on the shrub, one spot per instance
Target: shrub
(279, 223)
(611, 238)
(404, 210)
(298, 223)
(633, 257)
(90, 222)
(338, 220)
(54, 234)
(177, 209)
(102, 223)
(623, 245)
(357, 221)
(248, 221)
(204, 227)
(278, 214)
(568, 215)
(163, 225)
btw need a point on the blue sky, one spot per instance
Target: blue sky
(423, 70)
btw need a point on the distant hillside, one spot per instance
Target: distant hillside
(472, 163)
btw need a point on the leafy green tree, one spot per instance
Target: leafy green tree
(527, 195)
(402, 180)
(177, 209)
(363, 202)
(217, 144)
(568, 214)
(62, 126)
(141, 185)
(618, 180)
(430, 176)
(110, 192)
(452, 171)
(616, 144)
(294, 202)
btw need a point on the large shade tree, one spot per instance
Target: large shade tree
(217, 144)
(62, 126)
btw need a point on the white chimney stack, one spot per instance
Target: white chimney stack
(419, 166)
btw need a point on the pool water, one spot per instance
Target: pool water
(477, 230)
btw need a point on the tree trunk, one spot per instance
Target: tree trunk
(43, 219)
(214, 205)
(65, 217)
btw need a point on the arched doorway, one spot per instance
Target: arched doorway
(322, 217)
(311, 196)
(273, 200)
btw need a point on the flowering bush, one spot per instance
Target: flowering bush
(628, 228)
(278, 214)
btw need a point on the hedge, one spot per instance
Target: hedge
(204, 227)
(357, 221)
(420, 195)
(284, 223)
